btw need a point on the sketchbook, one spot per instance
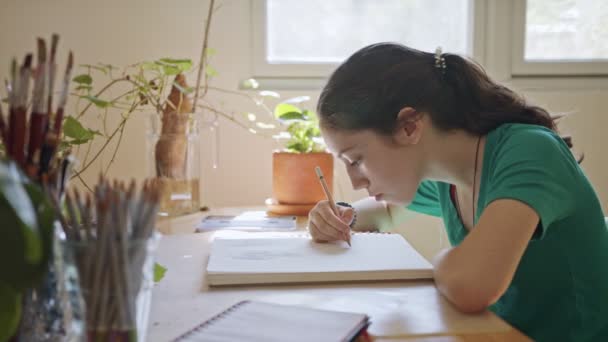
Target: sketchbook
(267, 322)
(297, 259)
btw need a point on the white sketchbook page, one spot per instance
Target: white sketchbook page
(369, 252)
(259, 321)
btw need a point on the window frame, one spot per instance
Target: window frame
(521, 67)
(497, 34)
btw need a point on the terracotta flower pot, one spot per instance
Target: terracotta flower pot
(294, 180)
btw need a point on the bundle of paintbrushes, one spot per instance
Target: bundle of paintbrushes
(110, 235)
(31, 133)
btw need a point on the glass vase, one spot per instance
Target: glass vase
(173, 153)
(54, 310)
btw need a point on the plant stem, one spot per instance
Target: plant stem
(203, 56)
(84, 183)
(119, 127)
(122, 129)
(231, 118)
(98, 94)
(77, 174)
(234, 92)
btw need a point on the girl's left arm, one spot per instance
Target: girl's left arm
(474, 274)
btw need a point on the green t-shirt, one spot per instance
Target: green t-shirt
(560, 289)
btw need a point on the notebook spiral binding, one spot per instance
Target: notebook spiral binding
(210, 321)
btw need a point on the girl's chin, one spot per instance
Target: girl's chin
(390, 200)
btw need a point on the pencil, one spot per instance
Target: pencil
(330, 199)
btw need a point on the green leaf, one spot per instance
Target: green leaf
(210, 71)
(312, 132)
(25, 244)
(83, 79)
(171, 70)
(175, 61)
(74, 129)
(210, 51)
(84, 87)
(181, 64)
(292, 116)
(283, 108)
(10, 302)
(97, 101)
(296, 147)
(15, 199)
(159, 272)
(150, 66)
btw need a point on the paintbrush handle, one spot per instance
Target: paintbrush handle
(58, 124)
(38, 124)
(3, 132)
(18, 136)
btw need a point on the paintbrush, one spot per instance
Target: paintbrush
(52, 68)
(3, 129)
(10, 86)
(50, 139)
(39, 117)
(64, 96)
(17, 116)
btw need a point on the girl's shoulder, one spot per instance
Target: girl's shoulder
(523, 132)
(525, 139)
(528, 147)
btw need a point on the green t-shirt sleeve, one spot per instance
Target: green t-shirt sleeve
(426, 200)
(537, 168)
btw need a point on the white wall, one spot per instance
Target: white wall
(125, 32)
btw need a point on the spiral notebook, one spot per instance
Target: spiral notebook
(297, 259)
(259, 321)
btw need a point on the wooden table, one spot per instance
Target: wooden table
(182, 299)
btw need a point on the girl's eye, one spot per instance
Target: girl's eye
(355, 162)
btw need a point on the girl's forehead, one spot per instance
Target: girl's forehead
(342, 141)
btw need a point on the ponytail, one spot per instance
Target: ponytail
(374, 84)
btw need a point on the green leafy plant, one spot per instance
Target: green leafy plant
(141, 87)
(25, 241)
(302, 126)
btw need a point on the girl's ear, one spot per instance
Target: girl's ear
(409, 126)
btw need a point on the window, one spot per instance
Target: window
(517, 41)
(557, 37)
(315, 35)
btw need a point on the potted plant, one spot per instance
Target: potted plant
(295, 186)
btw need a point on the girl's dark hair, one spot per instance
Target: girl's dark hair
(370, 88)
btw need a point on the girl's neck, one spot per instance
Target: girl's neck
(451, 158)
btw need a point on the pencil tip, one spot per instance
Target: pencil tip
(319, 172)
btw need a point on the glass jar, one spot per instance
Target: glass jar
(116, 288)
(173, 155)
(54, 310)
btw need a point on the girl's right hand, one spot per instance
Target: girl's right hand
(325, 226)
